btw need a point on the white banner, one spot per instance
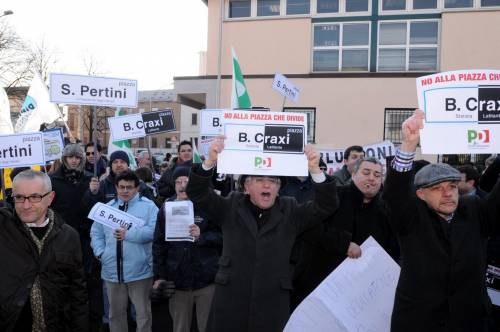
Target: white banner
(462, 111)
(126, 127)
(264, 143)
(357, 296)
(5, 120)
(113, 218)
(286, 88)
(20, 150)
(334, 159)
(93, 90)
(53, 141)
(211, 122)
(179, 215)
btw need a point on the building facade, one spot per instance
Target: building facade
(354, 61)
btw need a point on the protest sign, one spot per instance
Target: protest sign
(141, 124)
(286, 88)
(357, 296)
(113, 218)
(93, 90)
(211, 122)
(179, 215)
(264, 143)
(462, 111)
(53, 141)
(334, 159)
(21, 150)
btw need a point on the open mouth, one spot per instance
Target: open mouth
(265, 194)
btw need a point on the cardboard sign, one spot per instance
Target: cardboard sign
(286, 88)
(264, 143)
(141, 124)
(357, 296)
(113, 218)
(462, 111)
(20, 150)
(53, 141)
(93, 90)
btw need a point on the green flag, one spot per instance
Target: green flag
(196, 155)
(239, 93)
(122, 145)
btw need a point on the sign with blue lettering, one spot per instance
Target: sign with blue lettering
(92, 90)
(20, 150)
(113, 218)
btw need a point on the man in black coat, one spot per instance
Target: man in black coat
(42, 285)
(361, 214)
(253, 284)
(443, 243)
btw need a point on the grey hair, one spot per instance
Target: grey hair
(372, 160)
(142, 154)
(31, 174)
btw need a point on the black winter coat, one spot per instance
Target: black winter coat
(253, 284)
(324, 247)
(67, 198)
(59, 267)
(442, 282)
(190, 265)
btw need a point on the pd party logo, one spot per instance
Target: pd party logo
(260, 162)
(478, 138)
(29, 105)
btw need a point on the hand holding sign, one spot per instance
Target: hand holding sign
(411, 131)
(119, 233)
(213, 151)
(312, 159)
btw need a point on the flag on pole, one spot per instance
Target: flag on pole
(239, 93)
(123, 145)
(196, 155)
(37, 108)
(5, 121)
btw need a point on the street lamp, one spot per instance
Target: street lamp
(7, 12)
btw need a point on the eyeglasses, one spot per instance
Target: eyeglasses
(265, 179)
(35, 198)
(125, 188)
(89, 153)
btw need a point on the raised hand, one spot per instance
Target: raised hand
(411, 131)
(213, 151)
(312, 159)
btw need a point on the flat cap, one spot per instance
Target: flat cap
(433, 174)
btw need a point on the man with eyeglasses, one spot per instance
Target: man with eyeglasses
(42, 285)
(253, 284)
(126, 256)
(92, 156)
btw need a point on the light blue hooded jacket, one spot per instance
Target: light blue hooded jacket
(137, 251)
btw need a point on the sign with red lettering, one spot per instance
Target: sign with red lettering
(263, 143)
(462, 111)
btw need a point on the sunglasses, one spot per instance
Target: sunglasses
(89, 153)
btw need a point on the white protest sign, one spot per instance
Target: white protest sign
(357, 296)
(93, 90)
(179, 215)
(334, 159)
(264, 143)
(126, 127)
(211, 122)
(20, 150)
(462, 111)
(113, 218)
(53, 141)
(286, 88)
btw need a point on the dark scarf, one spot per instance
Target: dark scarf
(261, 216)
(71, 175)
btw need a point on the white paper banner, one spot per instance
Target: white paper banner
(20, 150)
(286, 88)
(357, 296)
(178, 216)
(264, 143)
(126, 127)
(113, 218)
(462, 111)
(211, 122)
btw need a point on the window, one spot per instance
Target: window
(194, 119)
(487, 3)
(424, 4)
(356, 5)
(408, 46)
(154, 142)
(297, 7)
(311, 120)
(268, 7)
(393, 4)
(458, 3)
(239, 8)
(327, 6)
(168, 143)
(393, 119)
(341, 47)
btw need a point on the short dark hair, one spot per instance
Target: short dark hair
(144, 173)
(355, 148)
(372, 160)
(419, 164)
(184, 143)
(99, 147)
(127, 175)
(471, 173)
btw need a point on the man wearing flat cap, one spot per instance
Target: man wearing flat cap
(443, 243)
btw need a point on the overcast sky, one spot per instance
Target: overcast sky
(147, 40)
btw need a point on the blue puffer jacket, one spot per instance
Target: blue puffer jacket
(137, 245)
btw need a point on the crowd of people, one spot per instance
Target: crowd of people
(260, 246)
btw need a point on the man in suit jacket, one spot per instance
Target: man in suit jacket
(443, 243)
(253, 284)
